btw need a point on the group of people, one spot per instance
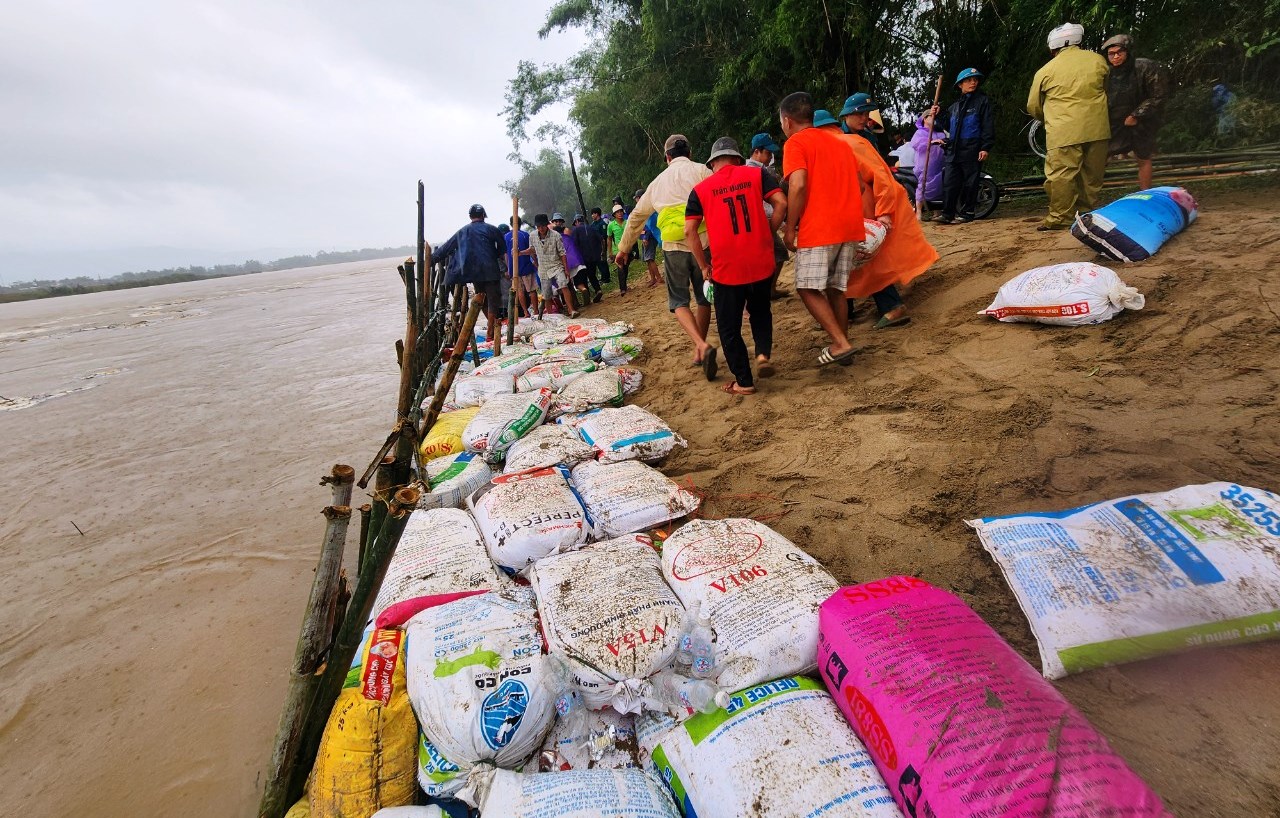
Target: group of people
(727, 226)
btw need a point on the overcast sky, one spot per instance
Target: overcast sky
(235, 126)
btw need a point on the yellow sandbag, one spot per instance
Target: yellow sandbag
(445, 436)
(302, 809)
(369, 750)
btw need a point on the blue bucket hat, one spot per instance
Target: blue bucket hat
(967, 74)
(859, 103)
(763, 141)
(823, 117)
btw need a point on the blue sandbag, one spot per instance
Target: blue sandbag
(1135, 227)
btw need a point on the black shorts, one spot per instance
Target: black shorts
(495, 296)
(1140, 139)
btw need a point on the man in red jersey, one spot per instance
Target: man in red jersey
(731, 202)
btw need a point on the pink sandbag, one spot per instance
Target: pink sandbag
(957, 722)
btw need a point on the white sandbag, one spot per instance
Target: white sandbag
(526, 516)
(632, 379)
(1144, 575)
(437, 776)
(868, 247)
(608, 743)
(617, 351)
(629, 793)
(629, 496)
(615, 329)
(474, 390)
(594, 389)
(476, 678)
(554, 375)
(1068, 295)
(586, 351)
(548, 338)
(440, 552)
(546, 446)
(760, 591)
(452, 479)
(607, 611)
(574, 420)
(513, 363)
(629, 433)
(504, 419)
(780, 749)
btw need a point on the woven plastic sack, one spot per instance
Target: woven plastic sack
(503, 420)
(593, 390)
(632, 379)
(474, 390)
(616, 329)
(760, 591)
(546, 339)
(624, 350)
(630, 496)
(554, 375)
(547, 446)
(445, 436)
(440, 552)
(451, 479)
(610, 744)
(475, 674)
(629, 433)
(573, 794)
(780, 749)
(529, 515)
(1143, 575)
(1134, 227)
(513, 363)
(612, 639)
(1068, 295)
(869, 246)
(957, 722)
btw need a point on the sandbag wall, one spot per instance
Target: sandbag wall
(534, 652)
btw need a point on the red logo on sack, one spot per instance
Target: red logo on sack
(380, 665)
(871, 728)
(711, 554)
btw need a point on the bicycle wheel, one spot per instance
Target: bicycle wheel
(1035, 138)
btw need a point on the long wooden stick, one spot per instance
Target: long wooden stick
(451, 369)
(313, 642)
(582, 203)
(343, 652)
(928, 149)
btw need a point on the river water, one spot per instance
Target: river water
(183, 429)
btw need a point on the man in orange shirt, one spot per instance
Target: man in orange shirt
(823, 228)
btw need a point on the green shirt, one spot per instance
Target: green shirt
(616, 229)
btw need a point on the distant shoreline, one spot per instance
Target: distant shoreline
(34, 290)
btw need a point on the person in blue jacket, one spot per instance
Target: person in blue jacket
(475, 255)
(972, 128)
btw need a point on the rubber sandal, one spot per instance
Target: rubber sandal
(764, 369)
(599, 295)
(709, 364)
(885, 323)
(843, 359)
(732, 388)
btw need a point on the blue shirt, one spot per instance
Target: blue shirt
(651, 228)
(474, 254)
(526, 262)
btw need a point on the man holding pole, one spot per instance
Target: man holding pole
(972, 134)
(475, 255)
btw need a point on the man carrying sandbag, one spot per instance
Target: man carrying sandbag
(1069, 95)
(731, 202)
(1136, 90)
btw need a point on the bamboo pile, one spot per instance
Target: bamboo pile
(335, 617)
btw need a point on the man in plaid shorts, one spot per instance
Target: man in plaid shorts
(824, 219)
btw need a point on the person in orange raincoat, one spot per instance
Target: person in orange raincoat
(905, 253)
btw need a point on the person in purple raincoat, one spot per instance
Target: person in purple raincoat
(930, 188)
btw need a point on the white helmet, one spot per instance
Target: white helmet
(1065, 35)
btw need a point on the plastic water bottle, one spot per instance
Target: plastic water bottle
(704, 657)
(679, 691)
(684, 647)
(570, 709)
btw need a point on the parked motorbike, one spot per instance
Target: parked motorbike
(988, 192)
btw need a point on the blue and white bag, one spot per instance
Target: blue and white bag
(1135, 227)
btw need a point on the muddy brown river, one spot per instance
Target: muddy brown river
(183, 429)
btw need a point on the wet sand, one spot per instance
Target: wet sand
(143, 663)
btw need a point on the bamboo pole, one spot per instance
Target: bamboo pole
(343, 652)
(928, 149)
(451, 369)
(366, 512)
(582, 203)
(313, 641)
(420, 288)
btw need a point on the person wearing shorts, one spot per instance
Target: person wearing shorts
(617, 228)
(475, 255)
(649, 249)
(526, 273)
(1136, 91)
(547, 248)
(823, 228)
(667, 196)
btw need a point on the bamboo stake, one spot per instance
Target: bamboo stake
(937, 95)
(366, 511)
(420, 288)
(582, 203)
(313, 641)
(451, 369)
(343, 652)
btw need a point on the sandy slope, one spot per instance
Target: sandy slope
(956, 416)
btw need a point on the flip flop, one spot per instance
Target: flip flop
(732, 388)
(709, 364)
(764, 369)
(885, 323)
(843, 359)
